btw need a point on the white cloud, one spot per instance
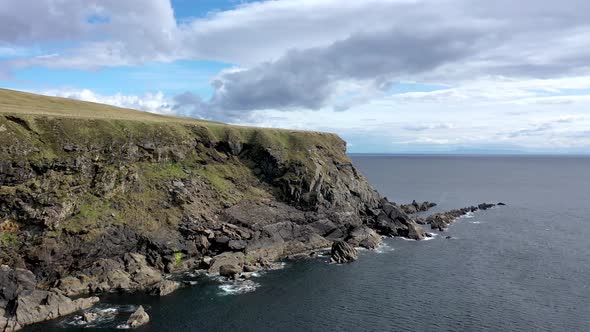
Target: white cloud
(149, 102)
(514, 69)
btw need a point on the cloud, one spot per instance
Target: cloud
(308, 78)
(424, 127)
(510, 68)
(149, 102)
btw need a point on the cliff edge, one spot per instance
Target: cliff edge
(95, 199)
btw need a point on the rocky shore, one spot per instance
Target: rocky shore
(96, 205)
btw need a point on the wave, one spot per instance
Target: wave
(383, 248)
(432, 237)
(105, 316)
(468, 215)
(238, 287)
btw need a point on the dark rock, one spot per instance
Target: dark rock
(343, 252)
(22, 304)
(415, 232)
(448, 237)
(485, 206)
(237, 245)
(69, 147)
(501, 204)
(416, 207)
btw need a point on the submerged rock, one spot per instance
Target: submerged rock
(138, 318)
(343, 252)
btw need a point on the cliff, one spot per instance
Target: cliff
(95, 198)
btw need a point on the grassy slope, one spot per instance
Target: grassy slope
(86, 121)
(36, 128)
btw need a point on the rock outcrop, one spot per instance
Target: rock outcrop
(363, 236)
(441, 221)
(22, 303)
(165, 287)
(342, 252)
(138, 318)
(416, 207)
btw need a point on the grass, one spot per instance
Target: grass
(43, 124)
(36, 129)
(8, 240)
(178, 258)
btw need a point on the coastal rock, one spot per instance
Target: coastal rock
(343, 252)
(416, 207)
(73, 286)
(21, 303)
(415, 232)
(116, 209)
(89, 317)
(236, 260)
(485, 206)
(229, 271)
(165, 287)
(138, 318)
(442, 220)
(363, 236)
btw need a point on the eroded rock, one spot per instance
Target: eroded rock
(138, 318)
(343, 252)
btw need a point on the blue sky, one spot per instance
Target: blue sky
(389, 76)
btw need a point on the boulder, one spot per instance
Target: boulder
(236, 245)
(415, 232)
(138, 318)
(72, 286)
(165, 287)
(363, 236)
(342, 252)
(485, 206)
(40, 306)
(227, 258)
(89, 317)
(229, 270)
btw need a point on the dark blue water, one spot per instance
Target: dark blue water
(523, 267)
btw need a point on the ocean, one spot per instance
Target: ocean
(520, 267)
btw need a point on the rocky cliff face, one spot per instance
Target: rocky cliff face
(92, 204)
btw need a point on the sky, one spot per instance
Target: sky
(388, 76)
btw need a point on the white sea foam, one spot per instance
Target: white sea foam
(238, 287)
(383, 248)
(468, 215)
(276, 266)
(432, 237)
(475, 222)
(104, 316)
